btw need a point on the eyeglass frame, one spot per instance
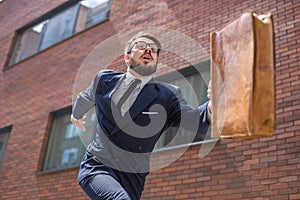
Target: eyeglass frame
(147, 45)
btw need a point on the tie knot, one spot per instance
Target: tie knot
(137, 81)
(134, 83)
(129, 90)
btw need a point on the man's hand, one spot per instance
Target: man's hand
(209, 95)
(80, 123)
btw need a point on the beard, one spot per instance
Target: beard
(145, 69)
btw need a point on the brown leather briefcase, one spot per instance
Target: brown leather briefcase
(242, 73)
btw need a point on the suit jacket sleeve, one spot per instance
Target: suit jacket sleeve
(185, 116)
(86, 100)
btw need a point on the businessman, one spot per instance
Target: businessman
(133, 110)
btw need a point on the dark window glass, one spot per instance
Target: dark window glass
(65, 146)
(58, 25)
(4, 135)
(194, 90)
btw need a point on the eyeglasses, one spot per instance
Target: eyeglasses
(141, 45)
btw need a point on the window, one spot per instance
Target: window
(4, 135)
(59, 24)
(65, 147)
(197, 87)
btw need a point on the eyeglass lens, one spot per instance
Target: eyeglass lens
(143, 45)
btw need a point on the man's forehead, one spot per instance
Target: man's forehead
(145, 39)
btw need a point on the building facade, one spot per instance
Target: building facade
(50, 50)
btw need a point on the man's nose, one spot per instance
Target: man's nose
(148, 50)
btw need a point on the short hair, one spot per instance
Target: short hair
(130, 43)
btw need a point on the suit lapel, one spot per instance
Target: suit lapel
(110, 85)
(103, 96)
(148, 94)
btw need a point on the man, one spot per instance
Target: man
(116, 162)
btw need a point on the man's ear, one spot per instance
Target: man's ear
(126, 58)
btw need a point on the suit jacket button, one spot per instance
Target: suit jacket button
(140, 147)
(137, 169)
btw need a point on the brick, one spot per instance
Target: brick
(260, 188)
(284, 191)
(251, 195)
(268, 149)
(294, 184)
(293, 161)
(210, 193)
(268, 193)
(259, 155)
(181, 196)
(294, 196)
(268, 159)
(288, 179)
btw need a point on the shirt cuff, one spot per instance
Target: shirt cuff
(208, 114)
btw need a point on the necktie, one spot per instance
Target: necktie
(128, 92)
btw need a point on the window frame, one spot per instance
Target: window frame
(5, 130)
(50, 140)
(185, 72)
(10, 61)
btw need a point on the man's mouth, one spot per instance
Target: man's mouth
(147, 57)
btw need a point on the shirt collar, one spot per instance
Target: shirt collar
(129, 78)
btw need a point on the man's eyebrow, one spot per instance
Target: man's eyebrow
(145, 42)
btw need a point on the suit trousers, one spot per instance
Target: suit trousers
(106, 187)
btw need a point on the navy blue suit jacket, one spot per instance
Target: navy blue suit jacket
(124, 143)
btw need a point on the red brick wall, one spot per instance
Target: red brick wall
(30, 90)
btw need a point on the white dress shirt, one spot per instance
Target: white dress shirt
(116, 96)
